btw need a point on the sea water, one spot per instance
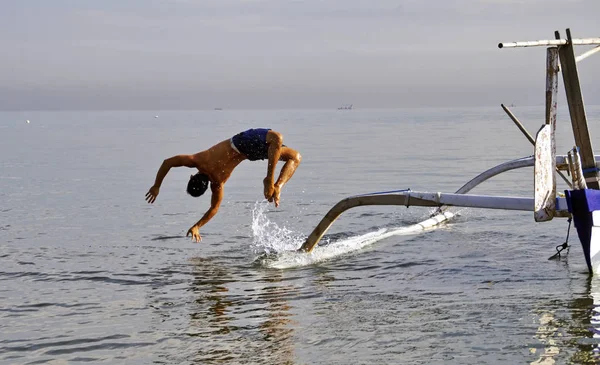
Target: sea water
(91, 273)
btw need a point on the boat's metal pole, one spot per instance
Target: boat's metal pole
(546, 43)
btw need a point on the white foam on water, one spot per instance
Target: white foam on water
(277, 247)
(268, 237)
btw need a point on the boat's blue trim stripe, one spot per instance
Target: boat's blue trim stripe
(590, 169)
(581, 204)
(583, 201)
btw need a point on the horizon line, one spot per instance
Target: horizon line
(224, 109)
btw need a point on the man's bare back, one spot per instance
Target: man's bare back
(218, 162)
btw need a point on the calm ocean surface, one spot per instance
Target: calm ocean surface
(91, 273)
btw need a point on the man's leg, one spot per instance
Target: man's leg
(292, 159)
(275, 142)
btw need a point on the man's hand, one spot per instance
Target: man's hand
(152, 194)
(195, 232)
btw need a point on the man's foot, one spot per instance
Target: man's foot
(269, 188)
(275, 196)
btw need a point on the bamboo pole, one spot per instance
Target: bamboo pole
(543, 171)
(415, 198)
(576, 171)
(577, 111)
(548, 206)
(551, 86)
(530, 138)
(518, 124)
(587, 54)
(553, 42)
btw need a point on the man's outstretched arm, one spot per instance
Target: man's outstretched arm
(215, 202)
(175, 161)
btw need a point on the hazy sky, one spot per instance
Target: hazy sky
(198, 54)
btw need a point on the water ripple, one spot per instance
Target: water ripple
(101, 347)
(34, 347)
(113, 281)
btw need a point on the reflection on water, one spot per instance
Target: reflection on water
(240, 321)
(595, 316)
(570, 331)
(546, 334)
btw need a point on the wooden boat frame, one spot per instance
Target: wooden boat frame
(581, 202)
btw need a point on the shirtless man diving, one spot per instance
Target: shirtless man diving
(216, 164)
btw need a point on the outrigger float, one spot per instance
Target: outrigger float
(581, 202)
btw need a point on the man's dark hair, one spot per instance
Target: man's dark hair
(197, 185)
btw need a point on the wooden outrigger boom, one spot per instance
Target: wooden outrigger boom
(581, 201)
(425, 199)
(547, 43)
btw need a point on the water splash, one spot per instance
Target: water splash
(268, 237)
(277, 247)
